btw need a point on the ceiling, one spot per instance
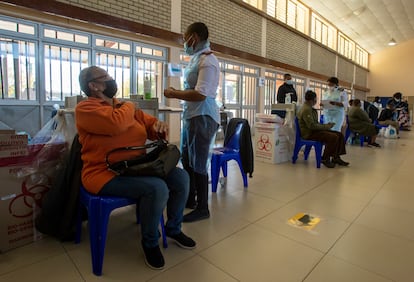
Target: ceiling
(370, 23)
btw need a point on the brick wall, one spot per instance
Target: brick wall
(156, 13)
(322, 60)
(345, 70)
(229, 24)
(361, 76)
(286, 46)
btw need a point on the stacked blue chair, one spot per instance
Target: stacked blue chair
(99, 209)
(348, 133)
(220, 157)
(300, 142)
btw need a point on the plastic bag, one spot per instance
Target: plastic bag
(390, 132)
(50, 145)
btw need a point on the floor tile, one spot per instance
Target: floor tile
(194, 269)
(333, 269)
(255, 254)
(378, 252)
(29, 254)
(55, 268)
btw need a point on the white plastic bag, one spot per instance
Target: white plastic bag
(390, 132)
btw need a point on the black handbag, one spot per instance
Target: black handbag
(158, 162)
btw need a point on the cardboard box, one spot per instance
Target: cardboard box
(22, 192)
(271, 143)
(13, 151)
(71, 102)
(13, 140)
(7, 131)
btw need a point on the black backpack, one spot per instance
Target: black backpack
(60, 204)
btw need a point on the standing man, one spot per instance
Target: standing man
(338, 98)
(285, 89)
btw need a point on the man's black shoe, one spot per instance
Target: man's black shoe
(153, 257)
(183, 241)
(341, 162)
(328, 163)
(196, 215)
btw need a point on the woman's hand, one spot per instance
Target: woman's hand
(161, 127)
(169, 92)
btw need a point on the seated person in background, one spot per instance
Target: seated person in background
(105, 123)
(359, 122)
(401, 110)
(387, 115)
(350, 102)
(312, 130)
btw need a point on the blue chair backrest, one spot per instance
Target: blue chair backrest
(234, 141)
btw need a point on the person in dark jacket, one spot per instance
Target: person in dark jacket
(387, 115)
(311, 129)
(359, 122)
(284, 89)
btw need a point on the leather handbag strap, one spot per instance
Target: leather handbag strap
(135, 148)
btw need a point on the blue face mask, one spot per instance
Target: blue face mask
(189, 50)
(289, 82)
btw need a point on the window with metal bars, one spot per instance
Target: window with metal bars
(17, 69)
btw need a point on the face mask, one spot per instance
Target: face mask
(189, 50)
(110, 88)
(289, 82)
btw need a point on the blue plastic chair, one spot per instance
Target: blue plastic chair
(99, 209)
(300, 142)
(348, 133)
(220, 157)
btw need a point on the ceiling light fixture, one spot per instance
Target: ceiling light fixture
(392, 42)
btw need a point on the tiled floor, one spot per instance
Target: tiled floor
(366, 231)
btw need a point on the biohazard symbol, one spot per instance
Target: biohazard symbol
(264, 143)
(32, 193)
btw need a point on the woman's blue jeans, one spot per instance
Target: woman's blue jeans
(153, 194)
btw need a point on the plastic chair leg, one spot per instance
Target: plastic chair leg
(78, 233)
(295, 154)
(307, 151)
(95, 236)
(244, 175)
(215, 172)
(318, 155)
(224, 168)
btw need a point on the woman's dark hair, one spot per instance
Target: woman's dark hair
(333, 80)
(310, 95)
(200, 29)
(376, 98)
(398, 95)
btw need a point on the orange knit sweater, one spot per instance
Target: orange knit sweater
(101, 128)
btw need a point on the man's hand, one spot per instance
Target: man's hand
(331, 124)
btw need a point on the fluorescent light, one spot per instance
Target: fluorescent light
(392, 42)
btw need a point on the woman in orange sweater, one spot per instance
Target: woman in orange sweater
(105, 123)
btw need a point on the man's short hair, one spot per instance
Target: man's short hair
(199, 28)
(286, 75)
(333, 80)
(310, 95)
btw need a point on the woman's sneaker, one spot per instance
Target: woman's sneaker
(153, 257)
